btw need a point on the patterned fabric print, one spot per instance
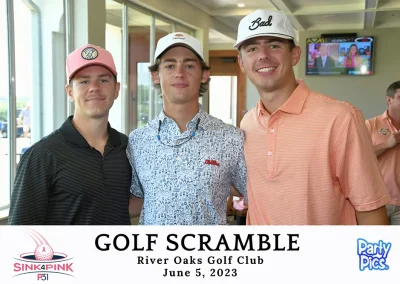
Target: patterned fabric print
(187, 184)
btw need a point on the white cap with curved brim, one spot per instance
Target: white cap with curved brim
(265, 23)
(178, 39)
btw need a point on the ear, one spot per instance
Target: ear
(68, 90)
(240, 62)
(117, 88)
(389, 100)
(155, 77)
(296, 53)
(205, 76)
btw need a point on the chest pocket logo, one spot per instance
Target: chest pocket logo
(384, 131)
(211, 162)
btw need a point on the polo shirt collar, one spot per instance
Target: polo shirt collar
(385, 115)
(294, 103)
(73, 136)
(202, 115)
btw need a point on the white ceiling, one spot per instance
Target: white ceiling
(323, 15)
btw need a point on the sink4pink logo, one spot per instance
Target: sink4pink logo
(43, 261)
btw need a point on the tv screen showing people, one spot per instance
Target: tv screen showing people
(340, 56)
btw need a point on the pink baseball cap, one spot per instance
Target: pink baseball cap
(88, 55)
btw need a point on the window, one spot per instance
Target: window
(24, 74)
(36, 56)
(139, 25)
(4, 82)
(114, 42)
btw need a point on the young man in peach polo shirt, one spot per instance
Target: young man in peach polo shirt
(309, 158)
(385, 134)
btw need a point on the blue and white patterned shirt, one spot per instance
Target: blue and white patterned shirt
(187, 182)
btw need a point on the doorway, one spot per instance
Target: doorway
(227, 96)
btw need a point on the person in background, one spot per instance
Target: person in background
(385, 133)
(324, 62)
(353, 58)
(79, 174)
(309, 157)
(25, 119)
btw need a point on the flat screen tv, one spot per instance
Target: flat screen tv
(340, 56)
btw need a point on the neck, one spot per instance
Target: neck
(94, 131)
(394, 118)
(272, 100)
(181, 113)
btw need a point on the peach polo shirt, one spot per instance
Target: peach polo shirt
(380, 127)
(310, 162)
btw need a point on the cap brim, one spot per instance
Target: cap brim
(239, 43)
(91, 64)
(175, 45)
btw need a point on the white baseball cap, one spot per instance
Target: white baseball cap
(178, 39)
(265, 23)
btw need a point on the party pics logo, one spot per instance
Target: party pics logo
(373, 256)
(43, 261)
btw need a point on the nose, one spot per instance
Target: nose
(179, 71)
(94, 86)
(263, 53)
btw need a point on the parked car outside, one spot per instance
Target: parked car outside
(4, 128)
(20, 128)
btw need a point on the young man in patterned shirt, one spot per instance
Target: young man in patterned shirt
(184, 161)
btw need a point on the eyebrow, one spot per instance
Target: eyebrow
(174, 60)
(259, 41)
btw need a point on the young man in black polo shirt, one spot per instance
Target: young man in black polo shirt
(79, 174)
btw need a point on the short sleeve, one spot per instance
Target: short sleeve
(136, 187)
(356, 166)
(239, 174)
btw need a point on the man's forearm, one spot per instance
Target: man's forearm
(380, 149)
(374, 217)
(135, 206)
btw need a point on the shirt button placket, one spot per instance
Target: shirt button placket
(271, 151)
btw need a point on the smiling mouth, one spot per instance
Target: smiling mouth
(266, 69)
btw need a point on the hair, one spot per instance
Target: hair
(290, 41)
(348, 59)
(357, 52)
(392, 89)
(291, 45)
(204, 87)
(323, 45)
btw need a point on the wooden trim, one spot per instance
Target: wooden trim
(223, 53)
(241, 97)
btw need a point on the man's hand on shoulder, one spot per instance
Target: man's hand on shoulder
(393, 140)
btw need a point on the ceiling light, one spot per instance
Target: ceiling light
(240, 5)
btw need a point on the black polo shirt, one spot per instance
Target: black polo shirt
(62, 180)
